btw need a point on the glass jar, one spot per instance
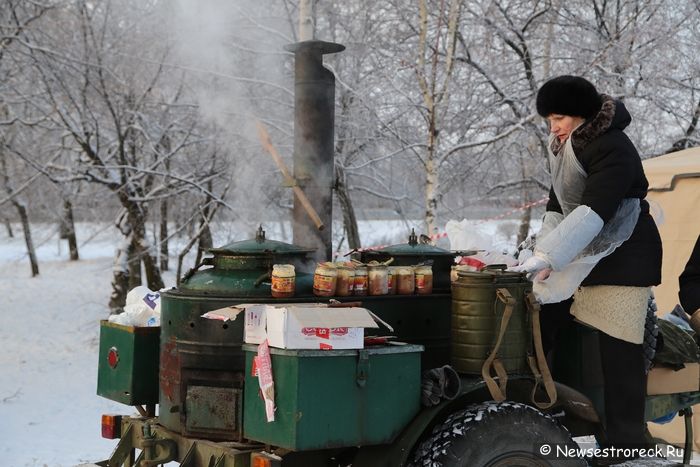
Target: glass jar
(393, 275)
(424, 280)
(378, 276)
(346, 280)
(283, 280)
(325, 279)
(361, 281)
(405, 280)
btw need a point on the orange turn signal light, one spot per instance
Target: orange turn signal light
(263, 459)
(111, 426)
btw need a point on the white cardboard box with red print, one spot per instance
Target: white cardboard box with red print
(306, 326)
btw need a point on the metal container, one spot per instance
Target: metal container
(244, 268)
(476, 320)
(335, 398)
(201, 361)
(127, 369)
(413, 253)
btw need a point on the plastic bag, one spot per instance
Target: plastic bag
(467, 235)
(561, 285)
(142, 308)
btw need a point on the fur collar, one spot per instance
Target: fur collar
(590, 129)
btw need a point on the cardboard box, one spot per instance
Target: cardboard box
(307, 327)
(663, 380)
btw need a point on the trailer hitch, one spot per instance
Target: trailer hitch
(156, 451)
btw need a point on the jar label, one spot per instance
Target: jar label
(360, 283)
(282, 284)
(324, 283)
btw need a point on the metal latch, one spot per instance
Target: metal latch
(362, 367)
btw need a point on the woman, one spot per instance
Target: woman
(599, 242)
(689, 282)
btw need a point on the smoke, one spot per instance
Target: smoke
(238, 73)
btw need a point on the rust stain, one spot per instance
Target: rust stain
(169, 374)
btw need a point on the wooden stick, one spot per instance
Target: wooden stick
(301, 196)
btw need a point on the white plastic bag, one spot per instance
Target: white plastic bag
(142, 308)
(467, 235)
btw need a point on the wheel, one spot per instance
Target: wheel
(495, 434)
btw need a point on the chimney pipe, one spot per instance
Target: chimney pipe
(314, 143)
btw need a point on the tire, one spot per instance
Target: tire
(495, 434)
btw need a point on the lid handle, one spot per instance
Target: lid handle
(413, 239)
(260, 234)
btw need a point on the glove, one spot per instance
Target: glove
(524, 255)
(532, 265)
(570, 237)
(439, 383)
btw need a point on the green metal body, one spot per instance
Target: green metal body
(476, 320)
(133, 380)
(337, 398)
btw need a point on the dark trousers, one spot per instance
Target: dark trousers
(624, 379)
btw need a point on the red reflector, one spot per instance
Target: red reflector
(111, 426)
(113, 357)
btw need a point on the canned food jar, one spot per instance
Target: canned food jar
(405, 280)
(346, 280)
(424, 280)
(361, 281)
(393, 275)
(283, 280)
(378, 276)
(325, 279)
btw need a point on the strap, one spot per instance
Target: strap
(498, 391)
(539, 365)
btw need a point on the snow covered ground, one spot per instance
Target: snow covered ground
(49, 411)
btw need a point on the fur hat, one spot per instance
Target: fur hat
(568, 95)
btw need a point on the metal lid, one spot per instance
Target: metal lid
(412, 248)
(259, 246)
(493, 272)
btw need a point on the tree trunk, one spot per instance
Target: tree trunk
(8, 226)
(69, 229)
(524, 226)
(306, 20)
(163, 239)
(133, 264)
(431, 192)
(120, 279)
(349, 218)
(686, 141)
(205, 240)
(153, 277)
(27, 237)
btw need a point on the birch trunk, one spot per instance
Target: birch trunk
(163, 235)
(306, 20)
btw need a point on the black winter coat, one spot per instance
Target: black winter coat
(689, 282)
(615, 172)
